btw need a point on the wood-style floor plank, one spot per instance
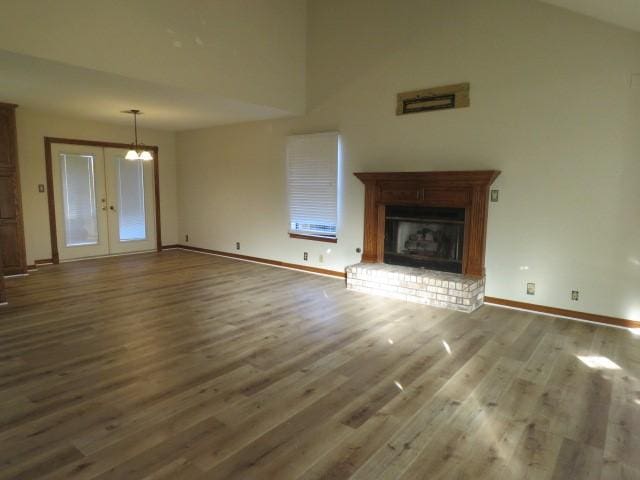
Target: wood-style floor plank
(190, 366)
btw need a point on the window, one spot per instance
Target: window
(312, 181)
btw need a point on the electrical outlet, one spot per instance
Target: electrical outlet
(531, 288)
(41, 188)
(321, 259)
(575, 295)
(186, 238)
(237, 245)
(495, 195)
(305, 256)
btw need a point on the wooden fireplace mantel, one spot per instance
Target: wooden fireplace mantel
(461, 189)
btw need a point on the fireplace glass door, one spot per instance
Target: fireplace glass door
(425, 237)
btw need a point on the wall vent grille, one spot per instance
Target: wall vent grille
(437, 98)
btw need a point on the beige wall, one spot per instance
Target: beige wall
(551, 107)
(34, 125)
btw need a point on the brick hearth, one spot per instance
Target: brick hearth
(429, 287)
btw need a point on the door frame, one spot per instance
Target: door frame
(49, 141)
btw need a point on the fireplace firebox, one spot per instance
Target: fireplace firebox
(425, 237)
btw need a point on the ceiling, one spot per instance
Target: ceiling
(624, 13)
(186, 64)
(82, 92)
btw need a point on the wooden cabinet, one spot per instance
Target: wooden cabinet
(12, 249)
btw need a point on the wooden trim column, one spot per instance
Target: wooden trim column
(3, 290)
(12, 245)
(370, 254)
(476, 237)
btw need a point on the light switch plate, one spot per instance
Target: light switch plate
(41, 188)
(495, 195)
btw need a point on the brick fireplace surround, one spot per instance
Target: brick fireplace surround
(462, 189)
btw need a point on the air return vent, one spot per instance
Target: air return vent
(437, 98)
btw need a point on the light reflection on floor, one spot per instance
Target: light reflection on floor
(598, 362)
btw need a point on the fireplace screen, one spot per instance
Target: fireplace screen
(424, 237)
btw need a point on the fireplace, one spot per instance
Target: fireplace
(425, 237)
(468, 191)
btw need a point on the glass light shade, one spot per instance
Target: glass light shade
(145, 155)
(132, 155)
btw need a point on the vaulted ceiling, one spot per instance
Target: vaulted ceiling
(187, 63)
(624, 13)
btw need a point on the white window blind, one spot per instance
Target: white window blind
(312, 180)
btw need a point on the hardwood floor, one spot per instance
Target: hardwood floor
(182, 365)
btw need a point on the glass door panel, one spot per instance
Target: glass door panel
(131, 214)
(130, 191)
(81, 220)
(79, 197)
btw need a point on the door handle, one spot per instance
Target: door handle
(112, 208)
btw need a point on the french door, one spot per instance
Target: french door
(104, 203)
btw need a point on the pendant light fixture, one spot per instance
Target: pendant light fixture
(137, 151)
